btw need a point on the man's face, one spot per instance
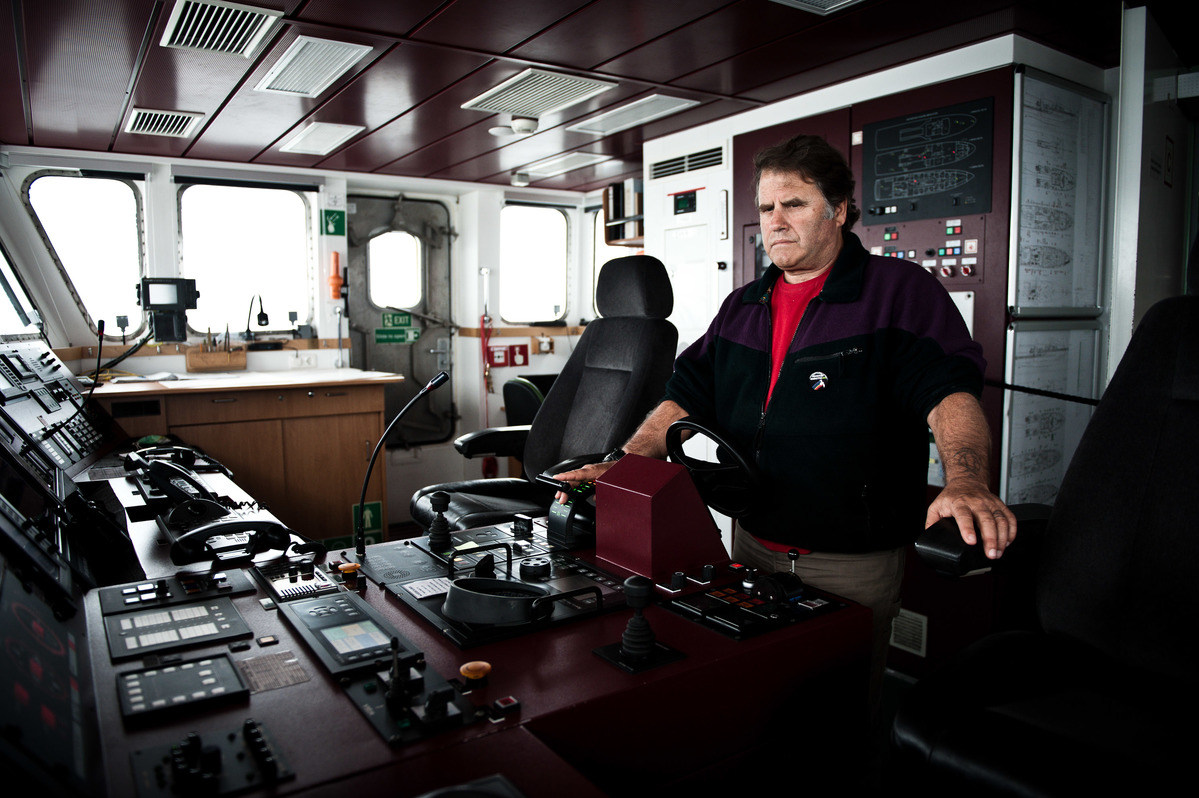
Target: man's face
(798, 234)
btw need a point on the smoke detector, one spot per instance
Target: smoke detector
(520, 126)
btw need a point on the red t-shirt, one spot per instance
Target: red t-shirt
(788, 301)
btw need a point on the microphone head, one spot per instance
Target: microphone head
(441, 379)
(100, 328)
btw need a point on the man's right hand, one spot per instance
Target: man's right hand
(578, 476)
(649, 441)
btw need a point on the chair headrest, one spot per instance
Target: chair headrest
(634, 286)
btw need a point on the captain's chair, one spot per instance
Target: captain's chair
(614, 377)
(1102, 698)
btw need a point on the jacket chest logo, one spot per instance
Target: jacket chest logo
(819, 380)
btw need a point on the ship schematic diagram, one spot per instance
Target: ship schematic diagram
(930, 164)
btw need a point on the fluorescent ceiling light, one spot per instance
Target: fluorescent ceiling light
(321, 138)
(310, 66)
(636, 113)
(561, 164)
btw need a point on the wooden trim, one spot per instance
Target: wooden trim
(521, 332)
(155, 350)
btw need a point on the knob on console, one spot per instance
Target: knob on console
(534, 568)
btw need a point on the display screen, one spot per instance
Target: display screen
(352, 637)
(163, 294)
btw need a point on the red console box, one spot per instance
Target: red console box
(649, 519)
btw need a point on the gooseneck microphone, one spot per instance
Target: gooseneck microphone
(359, 527)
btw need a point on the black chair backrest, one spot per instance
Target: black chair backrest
(1118, 567)
(617, 371)
(522, 400)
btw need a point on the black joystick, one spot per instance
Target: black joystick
(439, 529)
(638, 639)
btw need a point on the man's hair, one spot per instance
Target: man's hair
(816, 161)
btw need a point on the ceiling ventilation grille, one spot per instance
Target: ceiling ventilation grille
(215, 26)
(310, 66)
(536, 92)
(636, 113)
(687, 163)
(820, 7)
(177, 124)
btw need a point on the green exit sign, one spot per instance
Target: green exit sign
(397, 319)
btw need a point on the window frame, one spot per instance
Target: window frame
(130, 180)
(566, 253)
(421, 270)
(182, 184)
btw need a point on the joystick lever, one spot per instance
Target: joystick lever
(638, 639)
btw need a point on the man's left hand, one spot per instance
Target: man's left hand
(974, 507)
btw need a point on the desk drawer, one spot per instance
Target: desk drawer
(332, 400)
(217, 408)
(225, 406)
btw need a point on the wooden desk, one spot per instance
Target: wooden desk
(298, 441)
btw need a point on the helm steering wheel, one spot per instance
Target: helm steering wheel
(731, 486)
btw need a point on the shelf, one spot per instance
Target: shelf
(620, 194)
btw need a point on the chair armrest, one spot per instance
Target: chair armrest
(941, 546)
(494, 441)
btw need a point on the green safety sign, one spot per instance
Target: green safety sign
(372, 518)
(397, 319)
(333, 223)
(397, 335)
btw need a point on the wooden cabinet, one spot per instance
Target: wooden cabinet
(302, 450)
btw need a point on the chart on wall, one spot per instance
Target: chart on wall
(1060, 189)
(928, 165)
(1059, 358)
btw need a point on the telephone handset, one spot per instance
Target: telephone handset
(201, 529)
(176, 482)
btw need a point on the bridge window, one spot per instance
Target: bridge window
(393, 273)
(533, 253)
(93, 229)
(245, 246)
(15, 307)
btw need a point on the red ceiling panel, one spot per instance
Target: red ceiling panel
(495, 27)
(867, 28)
(879, 56)
(712, 39)
(80, 56)
(429, 122)
(430, 56)
(254, 120)
(503, 154)
(397, 83)
(12, 120)
(608, 28)
(389, 17)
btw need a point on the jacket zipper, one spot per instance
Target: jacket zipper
(762, 415)
(770, 324)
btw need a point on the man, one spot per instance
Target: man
(828, 372)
